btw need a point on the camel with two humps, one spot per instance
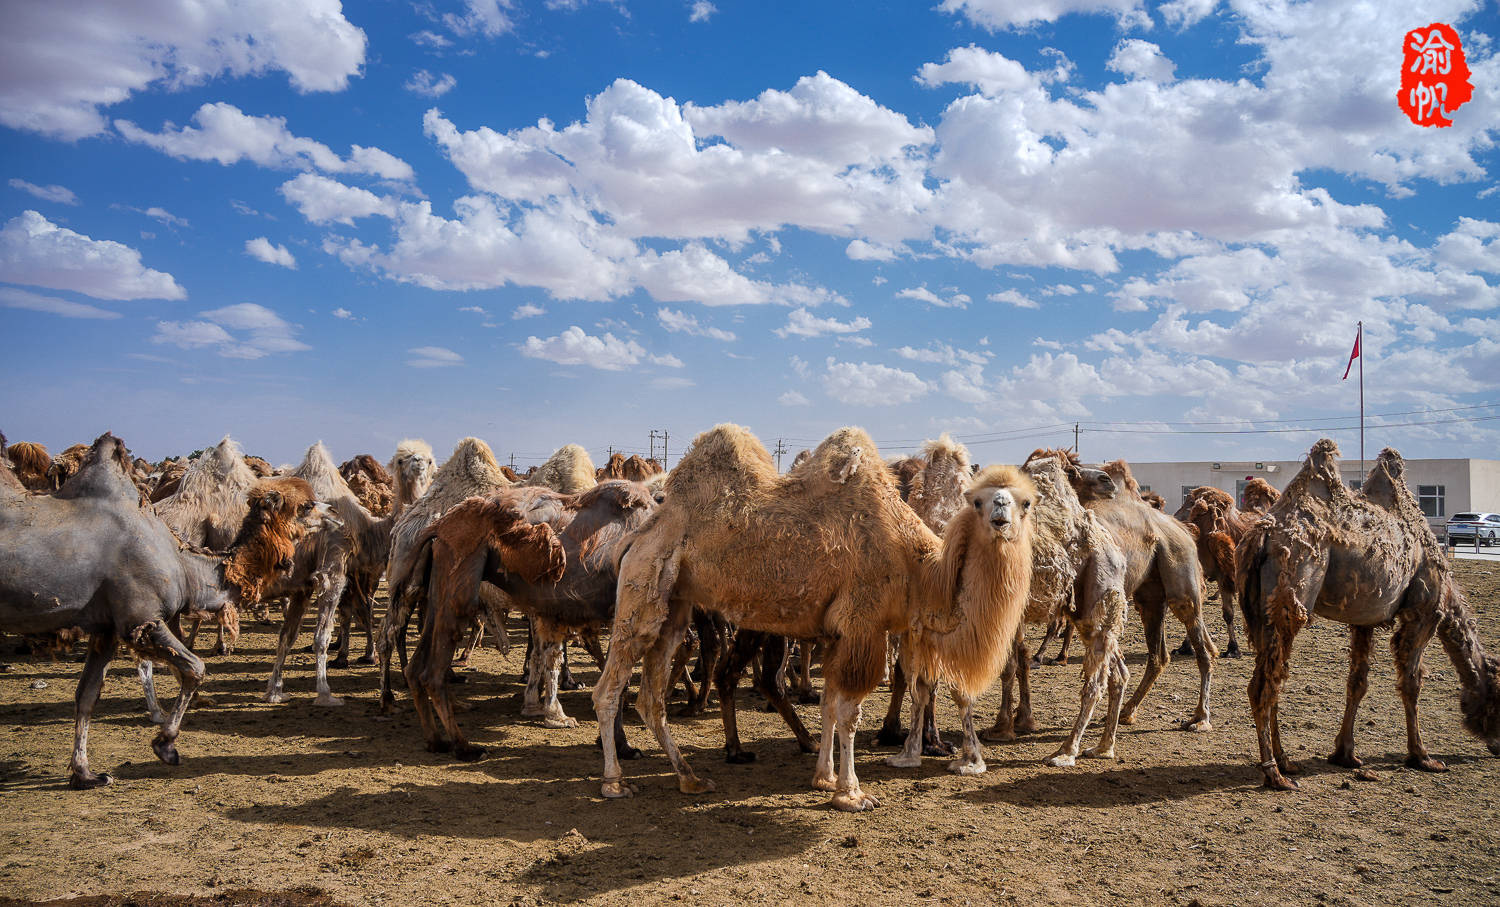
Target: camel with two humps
(128, 577)
(829, 552)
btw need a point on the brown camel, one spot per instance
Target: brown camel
(470, 471)
(1162, 574)
(31, 462)
(371, 485)
(1366, 560)
(1077, 574)
(828, 551)
(1218, 525)
(554, 556)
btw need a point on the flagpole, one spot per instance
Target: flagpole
(1360, 342)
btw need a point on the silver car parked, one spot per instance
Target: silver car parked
(1464, 527)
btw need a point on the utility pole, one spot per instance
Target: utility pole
(1075, 437)
(512, 459)
(663, 435)
(780, 449)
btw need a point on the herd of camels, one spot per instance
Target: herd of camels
(920, 571)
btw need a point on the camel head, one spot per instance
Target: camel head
(413, 466)
(1090, 483)
(1003, 497)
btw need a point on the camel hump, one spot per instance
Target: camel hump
(726, 456)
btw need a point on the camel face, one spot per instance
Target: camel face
(1001, 509)
(1091, 483)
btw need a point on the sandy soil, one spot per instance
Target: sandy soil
(319, 804)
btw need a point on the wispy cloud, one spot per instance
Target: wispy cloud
(433, 357)
(58, 194)
(258, 332)
(683, 323)
(428, 85)
(20, 299)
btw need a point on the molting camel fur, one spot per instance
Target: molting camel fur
(1366, 560)
(828, 551)
(1162, 573)
(1217, 526)
(128, 578)
(31, 462)
(470, 471)
(569, 471)
(371, 485)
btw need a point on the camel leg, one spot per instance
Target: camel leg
(805, 692)
(771, 682)
(550, 652)
(1156, 659)
(442, 631)
(193, 633)
(971, 760)
(656, 671)
(366, 615)
(328, 609)
(1203, 651)
(911, 754)
(824, 776)
(154, 640)
(609, 697)
(1053, 629)
(1062, 652)
(1003, 730)
(1361, 640)
(1271, 669)
(726, 678)
(590, 640)
(848, 796)
(565, 678)
(890, 733)
(421, 696)
(1119, 676)
(101, 650)
(476, 636)
(291, 625)
(1024, 723)
(1407, 645)
(531, 700)
(1231, 604)
(1096, 671)
(146, 671)
(345, 620)
(710, 643)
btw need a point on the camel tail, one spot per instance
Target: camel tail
(1478, 672)
(1250, 559)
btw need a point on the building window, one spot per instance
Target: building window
(1186, 490)
(1431, 497)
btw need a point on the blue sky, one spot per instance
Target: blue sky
(577, 221)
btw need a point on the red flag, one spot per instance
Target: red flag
(1352, 356)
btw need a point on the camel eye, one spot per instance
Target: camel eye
(978, 503)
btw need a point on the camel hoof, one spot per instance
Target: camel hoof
(569, 685)
(1425, 764)
(890, 737)
(468, 752)
(853, 801)
(340, 662)
(1095, 753)
(1185, 650)
(829, 782)
(365, 660)
(532, 711)
(220, 649)
(1025, 725)
(960, 767)
(616, 790)
(899, 760)
(1288, 767)
(628, 752)
(274, 698)
(553, 721)
(438, 746)
(1277, 782)
(940, 748)
(158, 717)
(165, 751)
(1061, 760)
(997, 735)
(328, 699)
(1346, 759)
(692, 784)
(1127, 717)
(1202, 726)
(89, 781)
(742, 757)
(809, 698)
(1232, 652)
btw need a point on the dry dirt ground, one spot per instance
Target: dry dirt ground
(334, 806)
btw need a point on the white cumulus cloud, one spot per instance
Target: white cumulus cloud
(870, 384)
(263, 249)
(36, 252)
(575, 347)
(257, 332)
(802, 323)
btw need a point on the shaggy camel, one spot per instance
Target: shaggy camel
(8, 480)
(338, 567)
(563, 588)
(370, 484)
(1078, 575)
(830, 552)
(1366, 560)
(127, 579)
(1218, 525)
(211, 499)
(568, 471)
(470, 471)
(1162, 573)
(31, 462)
(66, 465)
(411, 470)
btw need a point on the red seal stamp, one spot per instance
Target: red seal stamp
(1434, 75)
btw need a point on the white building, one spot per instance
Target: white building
(1442, 487)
